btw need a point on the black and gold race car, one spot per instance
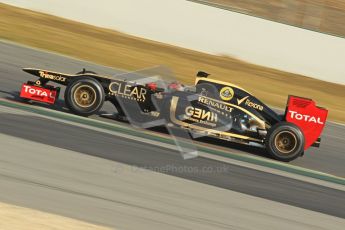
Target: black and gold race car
(209, 108)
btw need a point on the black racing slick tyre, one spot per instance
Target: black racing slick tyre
(285, 141)
(84, 96)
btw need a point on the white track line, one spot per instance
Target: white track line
(173, 147)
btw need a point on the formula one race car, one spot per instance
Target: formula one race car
(210, 108)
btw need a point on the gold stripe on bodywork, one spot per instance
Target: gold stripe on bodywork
(173, 107)
(219, 82)
(260, 121)
(72, 75)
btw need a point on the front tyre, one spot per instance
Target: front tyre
(84, 96)
(285, 141)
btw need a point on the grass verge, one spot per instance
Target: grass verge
(123, 51)
(16, 217)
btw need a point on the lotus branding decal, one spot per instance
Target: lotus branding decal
(226, 93)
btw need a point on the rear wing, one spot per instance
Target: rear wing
(310, 118)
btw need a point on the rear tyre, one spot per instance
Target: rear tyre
(285, 142)
(84, 96)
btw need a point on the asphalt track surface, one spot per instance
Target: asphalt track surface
(329, 158)
(120, 196)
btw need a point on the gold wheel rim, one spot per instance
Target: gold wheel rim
(85, 96)
(286, 142)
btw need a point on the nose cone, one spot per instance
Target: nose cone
(31, 71)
